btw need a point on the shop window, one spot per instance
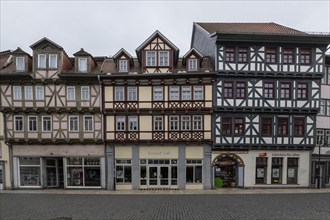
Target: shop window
(261, 170)
(277, 164)
(29, 171)
(123, 171)
(194, 171)
(83, 172)
(292, 171)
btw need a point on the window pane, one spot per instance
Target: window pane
(32, 123)
(132, 93)
(123, 66)
(71, 94)
(20, 64)
(85, 93)
(163, 58)
(82, 64)
(186, 93)
(119, 94)
(46, 123)
(158, 93)
(151, 58)
(88, 123)
(28, 92)
(192, 64)
(42, 61)
(174, 93)
(40, 93)
(52, 61)
(73, 125)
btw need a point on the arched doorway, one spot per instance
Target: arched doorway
(228, 170)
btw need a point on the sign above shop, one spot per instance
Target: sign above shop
(263, 154)
(285, 154)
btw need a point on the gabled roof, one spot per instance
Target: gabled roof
(81, 52)
(193, 50)
(19, 51)
(120, 52)
(45, 41)
(249, 28)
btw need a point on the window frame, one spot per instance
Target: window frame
(285, 92)
(243, 55)
(88, 123)
(132, 93)
(32, 124)
(268, 90)
(239, 126)
(282, 125)
(44, 120)
(20, 64)
(185, 124)
(158, 123)
(197, 121)
(85, 93)
(271, 55)
(186, 93)
(120, 124)
(82, 64)
(288, 55)
(174, 122)
(194, 164)
(240, 90)
(40, 92)
(158, 93)
(151, 58)
(227, 124)
(198, 93)
(302, 93)
(50, 59)
(228, 91)
(299, 126)
(192, 64)
(122, 65)
(19, 118)
(133, 120)
(73, 123)
(123, 163)
(174, 93)
(42, 64)
(230, 56)
(17, 92)
(266, 125)
(163, 61)
(28, 92)
(119, 94)
(305, 56)
(71, 93)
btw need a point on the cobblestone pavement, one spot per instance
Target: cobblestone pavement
(81, 206)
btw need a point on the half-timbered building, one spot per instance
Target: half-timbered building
(51, 108)
(266, 100)
(158, 111)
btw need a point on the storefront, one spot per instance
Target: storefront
(269, 168)
(2, 175)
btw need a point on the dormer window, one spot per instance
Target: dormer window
(20, 64)
(151, 58)
(82, 64)
(41, 60)
(163, 58)
(123, 67)
(192, 65)
(53, 61)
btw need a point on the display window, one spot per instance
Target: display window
(261, 170)
(277, 164)
(292, 171)
(29, 171)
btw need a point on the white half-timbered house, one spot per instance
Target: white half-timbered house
(266, 99)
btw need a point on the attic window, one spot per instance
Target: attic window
(163, 58)
(53, 61)
(82, 64)
(41, 60)
(151, 58)
(192, 64)
(123, 66)
(20, 64)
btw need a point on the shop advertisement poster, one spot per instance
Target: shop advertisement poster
(276, 173)
(291, 173)
(260, 172)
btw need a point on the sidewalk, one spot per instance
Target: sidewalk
(170, 192)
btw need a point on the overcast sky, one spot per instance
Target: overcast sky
(104, 27)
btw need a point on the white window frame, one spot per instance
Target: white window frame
(198, 93)
(132, 93)
(119, 93)
(192, 64)
(197, 122)
(174, 123)
(186, 93)
(158, 94)
(40, 92)
(327, 137)
(85, 96)
(52, 61)
(174, 93)
(150, 58)
(158, 123)
(88, 123)
(82, 64)
(42, 63)
(319, 137)
(20, 118)
(71, 93)
(120, 123)
(185, 123)
(45, 121)
(327, 102)
(194, 163)
(28, 92)
(132, 123)
(32, 123)
(20, 64)
(163, 58)
(17, 92)
(73, 123)
(123, 65)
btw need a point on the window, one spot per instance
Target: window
(158, 123)
(174, 123)
(194, 171)
(266, 126)
(158, 93)
(185, 123)
(305, 56)
(132, 123)
(174, 93)
(328, 107)
(302, 91)
(268, 89)
(32, 123)
(299, 127)
(228, 89)
(40, 93)
(19, 125)
(88, 123)
(123, 171)
(242, 55)
(282, 126)
(198, 93)
(322, 107)
(163, 58)
(151, 58)
(186, 93)
(197, 123)
(71, 94)
(53, 61)
(327, 138)
(46, 123)
(28, 92)
(271, 55)
(29, 171)
(261, 170)
(240, 89)
(288, 56)
(82, 64)
(285, 90)
(20, 64)
(132, 93)
(319, 137)
(238, 126)
(192, 64)
(85, 93)
(119, 94)
(17, 92)
(73, 123)
(230, 54)
(292, 172)
(277, 163)
(123, 66)
(120, 123)
(226, 126)
(41, 60)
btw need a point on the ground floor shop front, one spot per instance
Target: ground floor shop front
(158, 167)
(321, 167)
(266, 168)
(58, 166)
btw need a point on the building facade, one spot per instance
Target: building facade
(51, 108)
(266, 101)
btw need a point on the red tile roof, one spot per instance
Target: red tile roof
(249, 28)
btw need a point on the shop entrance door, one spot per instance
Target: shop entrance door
(2, 179)
(54, 172)
(158, 176)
